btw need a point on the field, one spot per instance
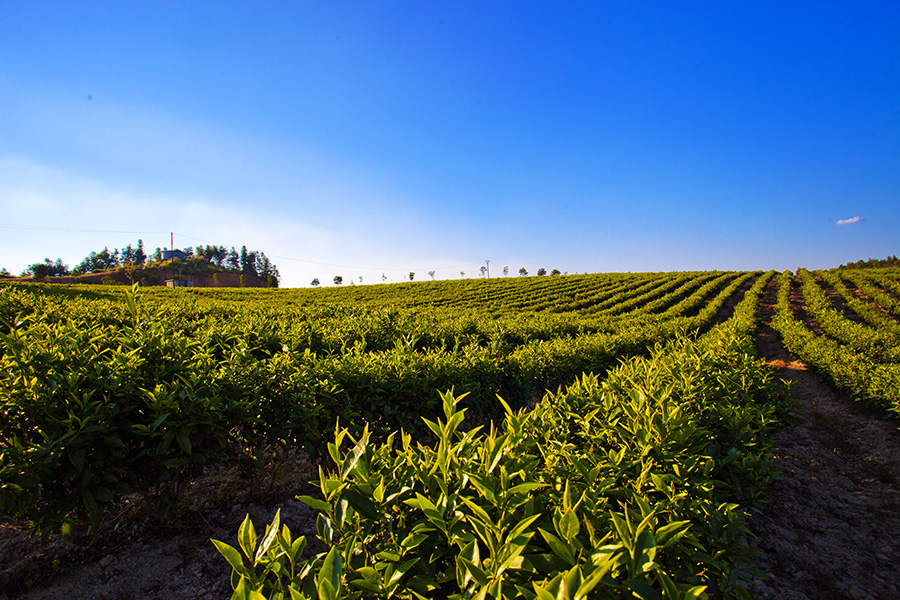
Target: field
(584, 436)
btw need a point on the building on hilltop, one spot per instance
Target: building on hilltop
(170, 254)
(180, 282)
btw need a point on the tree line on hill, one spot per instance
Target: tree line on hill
(250, 262)
(873, 263)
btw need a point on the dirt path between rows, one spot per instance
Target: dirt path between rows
(829, 530)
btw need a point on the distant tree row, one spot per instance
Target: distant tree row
(249, 262)
(106, 261)
(523, 272)
(872, 263)
(45, 269)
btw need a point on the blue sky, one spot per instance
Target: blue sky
(370, 138)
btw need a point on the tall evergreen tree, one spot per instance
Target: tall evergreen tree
(234, 260)
(139, 257)
(245, 260)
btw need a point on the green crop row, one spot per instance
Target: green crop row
(878, 345)
(107, 391)
(847, 366)
(873, 285)
(887, 327)
(692, 303)
(635, 486)
(891, 280)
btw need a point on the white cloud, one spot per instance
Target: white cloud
(852, 221)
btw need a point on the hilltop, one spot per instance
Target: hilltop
(203, 266)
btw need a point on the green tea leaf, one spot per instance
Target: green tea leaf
(247, 537)
(559, 548)
(567, 525)
(329, 578)
(315, 503)
(269, 537)
(232, 556)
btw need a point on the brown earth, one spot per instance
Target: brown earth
(138, 556)
(827, 531)
(865, 298)
(840, 304)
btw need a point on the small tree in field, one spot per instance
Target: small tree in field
(555, 272)
(483, 270)
(506, 271)
(431, 273)
(315, 282)
(523, 272)
(412, 275)
(338, 280)
(462, 273)
(541, 272)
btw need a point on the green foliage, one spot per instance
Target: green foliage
(882, 344)
(98, 410)
(203, 259)
(111, 392)
(45, 269)
(847, 364)
(880, 286)
(873, 263)
(626, 486)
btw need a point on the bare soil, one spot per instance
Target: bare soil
(866, 298)
(137, 556)
(829, 528)
(827, 532)
(840, 304)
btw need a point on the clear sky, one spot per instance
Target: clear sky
(368, 138)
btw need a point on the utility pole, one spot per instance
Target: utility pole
(488, 263)
(172, 240)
